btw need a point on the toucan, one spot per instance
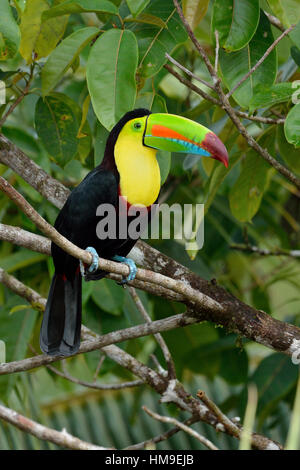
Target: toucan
(129, 172)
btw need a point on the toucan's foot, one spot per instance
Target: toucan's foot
(94, 266)
(132, 268)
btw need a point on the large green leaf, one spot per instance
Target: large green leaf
(137, 6)
(266, 97)
(63, 56)
(85, 140)
(20, 260)
(15, 331)
(295, 35)
(154, 41)
(57, 127)
(111, 76)
(194, 11)
(109, 296)
(287, 11)
(288, 152)
(292, 126)
(39, 38)
(236, 64)
(9, 32)
(80, 6)
(274, 378)
(236, 22)
(246, 194)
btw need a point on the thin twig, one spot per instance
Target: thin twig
(182, 426)
(261, 60)
(162, 437)
(94, 385)
(158, 336)
(22, 95)
(188, 72)
(265, 251)
(223, 419)
(217, 50)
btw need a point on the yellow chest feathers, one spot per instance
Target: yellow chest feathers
(138, 169)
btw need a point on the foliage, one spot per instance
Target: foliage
(86, 64)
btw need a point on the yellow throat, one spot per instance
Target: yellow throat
(138, 168)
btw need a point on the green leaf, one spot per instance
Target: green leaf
(277, 8)
(274, 378)
(109, 296)
(148, 19)
(194, 11)
(292, 126)
(63, 56)
(16, 331)
(54, 123)
(2, 352)
(236, 64)
(288, 151)
(236, 22)
(137, 6)
(111, 77)
(9, 32)
(295, 53)
(234, 366)
(20, 260)
(277, 93)
(155, 42)
(39, 38)
(246, 194)
(287, 11)
(295, 35)
(217, 177)
(80, 6)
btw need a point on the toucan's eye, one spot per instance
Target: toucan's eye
(137, 125)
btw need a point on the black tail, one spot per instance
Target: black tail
(60, 331)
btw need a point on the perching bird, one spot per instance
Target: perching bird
(129, 172)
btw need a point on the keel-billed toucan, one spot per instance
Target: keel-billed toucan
(129, 170)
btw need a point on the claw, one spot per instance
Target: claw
(132, 268)
(94, 266)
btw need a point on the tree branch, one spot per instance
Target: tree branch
(182, 426)
(264, 251)
(60, 438)
(158, 337)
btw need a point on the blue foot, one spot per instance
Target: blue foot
(94, 266)
(132, 267)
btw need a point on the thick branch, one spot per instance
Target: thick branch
(238, 317)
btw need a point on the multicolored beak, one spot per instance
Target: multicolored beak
(179, 134)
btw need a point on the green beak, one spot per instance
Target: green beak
(179, 134)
